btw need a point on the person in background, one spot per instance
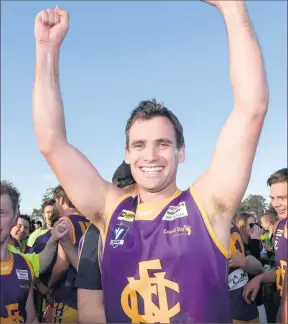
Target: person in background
(240, 265)
(282, 315)
(277, 183)
(37, 225)
(20, 232)
(16, 276)
(50, 216)
(251, 232)
(88, 279)
(63, 276)
(268, 221)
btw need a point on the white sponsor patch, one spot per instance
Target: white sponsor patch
(22, 274)
(237, 279)
(174, 212)
(126, 215)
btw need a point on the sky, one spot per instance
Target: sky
(119, 53)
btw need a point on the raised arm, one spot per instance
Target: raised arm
(83, 184)
(223, 185)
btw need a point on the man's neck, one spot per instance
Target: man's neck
(4, 253)
(153, 197)
(69, 211)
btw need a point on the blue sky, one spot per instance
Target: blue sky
(118, 53)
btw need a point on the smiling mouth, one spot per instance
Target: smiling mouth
(151, 170)
(280, 211)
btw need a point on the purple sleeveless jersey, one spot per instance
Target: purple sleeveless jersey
(15, 280)
(167, 269)
(65, 290)
(237, 279)
(281, 253)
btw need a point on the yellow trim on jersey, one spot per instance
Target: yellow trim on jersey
(99, 254)
(31, 269)
(256, 320)
(109, 215)
(33, 258)
(84, 236)
(7, 266)
(72, 229)
(150, 211)
(208, 225)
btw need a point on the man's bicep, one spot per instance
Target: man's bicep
(228, 175)
(90, 306)
(72, 167)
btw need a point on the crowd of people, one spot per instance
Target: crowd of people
(138, 249)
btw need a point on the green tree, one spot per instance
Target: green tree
(256, 203)
(271, 210)
(47, 195)
(36, 214)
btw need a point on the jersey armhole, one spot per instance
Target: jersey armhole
(109, 215)
(208, 226)
(83, 242)
(72, 229)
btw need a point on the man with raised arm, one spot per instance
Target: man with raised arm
(150, 243)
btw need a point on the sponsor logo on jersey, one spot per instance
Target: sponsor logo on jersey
(119, 234)
(126, 215)
(175, 212)
(237, 279)
(177, 231)
(22, 274)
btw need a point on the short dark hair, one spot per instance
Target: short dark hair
(149, 109)
(7, 188)
(26, 217)
(123, 176)
(279, 176)
(50, 202)
(39, 223)
(59, 192)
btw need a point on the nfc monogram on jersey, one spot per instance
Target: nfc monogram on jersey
(146, 288)
(13, 315)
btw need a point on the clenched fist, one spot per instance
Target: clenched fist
(223, 4)
(51, 26)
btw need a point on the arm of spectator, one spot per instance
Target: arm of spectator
(30, 308)
(59, 231)
(60, 267)
(253, 266)
(47, 255)
(70, 252)
(251, 289)
(282, 315)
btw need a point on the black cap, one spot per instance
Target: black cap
(123, 176)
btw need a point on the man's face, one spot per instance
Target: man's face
(265, 222)
(7, 218)
(21, 230)
(36, 226)
(153, 154)
(47, 214)
(278, 195)
(60, 206)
